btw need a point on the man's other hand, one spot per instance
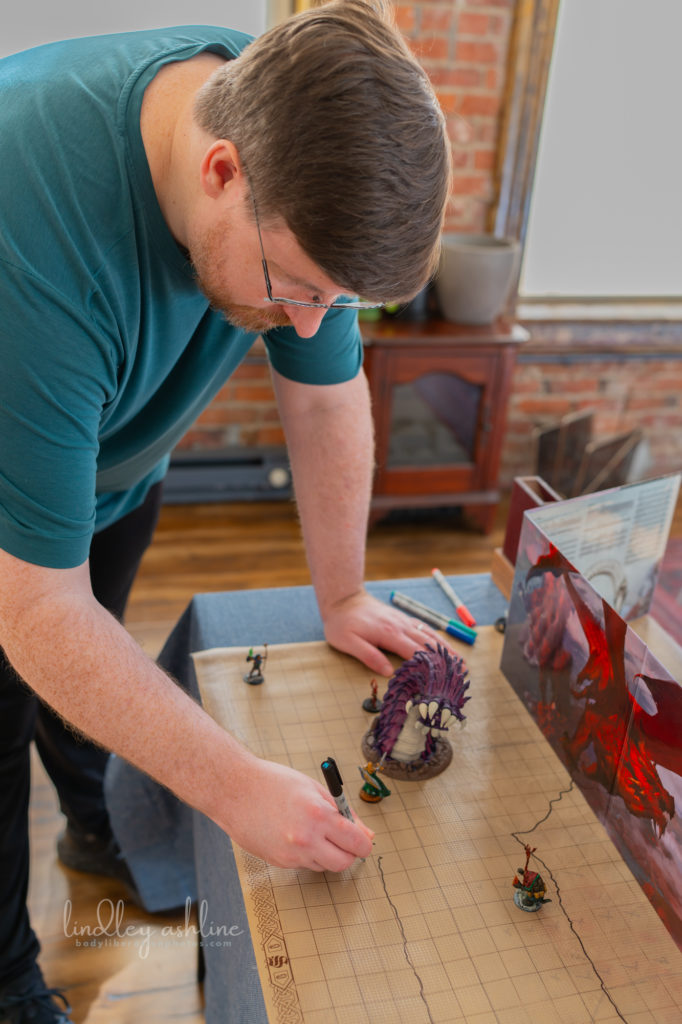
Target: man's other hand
(365, 627)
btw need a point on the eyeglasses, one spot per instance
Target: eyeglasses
(280, 300)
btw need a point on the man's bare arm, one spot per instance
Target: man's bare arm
(82, 663)
(331, 447)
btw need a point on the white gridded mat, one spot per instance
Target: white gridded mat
(426, 929)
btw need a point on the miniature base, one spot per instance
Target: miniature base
(535, 905)
(369, 704)
(409, 771)
(254, 680)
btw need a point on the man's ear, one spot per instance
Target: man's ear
(221, 170)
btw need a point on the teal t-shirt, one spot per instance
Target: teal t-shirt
(108, 350)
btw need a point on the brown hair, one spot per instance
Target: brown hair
(341, 136)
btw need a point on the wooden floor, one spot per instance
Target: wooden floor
(142, 967)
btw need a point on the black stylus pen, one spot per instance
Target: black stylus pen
(332, 777)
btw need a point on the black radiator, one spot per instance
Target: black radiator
(233, 474)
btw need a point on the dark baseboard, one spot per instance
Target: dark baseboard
(234, 474)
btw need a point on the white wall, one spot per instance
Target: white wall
(29, 24)
(606, 210)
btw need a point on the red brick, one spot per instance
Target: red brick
(471, 184)
(484, 159)
(492, 79)
(660, 421)
(430, 47)
(549, 408)
(251, 370)
(671, 381)
(526, 381)
(498, 24)
(635, 403)
(436, 19)
(405, 17)
(258, 349)
(466, 77)
(217, 413)
(252, 393)
(461, 158)
(263, 436)
(485, 131)
(481, 104)
(575, 384)
(476, 53)
(467, 215)
(600, 404)
(228, 390)
(507, 4)
(447, 101)
(470, 24)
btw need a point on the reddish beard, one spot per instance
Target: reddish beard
(207, 264)
(250, 318)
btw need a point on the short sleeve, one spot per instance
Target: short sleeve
(332, 356)
(57, 374)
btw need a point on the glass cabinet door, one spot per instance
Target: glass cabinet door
(434, 421)
(432, 414)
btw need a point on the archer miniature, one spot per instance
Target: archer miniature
(373, 703)
(531, 889)
(373, 790)
(255, 677)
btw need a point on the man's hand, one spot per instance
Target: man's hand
(291, 821)
(360, 625)
(329, 433)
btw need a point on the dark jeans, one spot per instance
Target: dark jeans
(75, 765)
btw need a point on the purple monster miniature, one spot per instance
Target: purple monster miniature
(424, 696)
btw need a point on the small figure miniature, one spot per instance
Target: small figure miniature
(530, 888)
(373, 703)
(373, 790)
(424, 698)
(255, 677)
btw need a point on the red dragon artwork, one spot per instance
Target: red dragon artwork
(616, 742)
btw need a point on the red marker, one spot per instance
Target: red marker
(461, 609)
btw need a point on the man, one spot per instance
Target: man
(164, 197)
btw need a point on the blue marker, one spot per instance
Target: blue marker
(434, 618)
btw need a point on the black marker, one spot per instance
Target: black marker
(332, 777)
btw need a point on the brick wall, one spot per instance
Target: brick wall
(638, 386)
(462, 45)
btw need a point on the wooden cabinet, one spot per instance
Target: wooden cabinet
(439, 395)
